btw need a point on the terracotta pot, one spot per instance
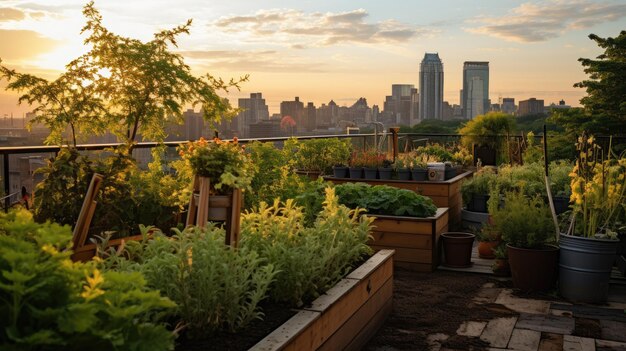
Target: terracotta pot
(485, 249)
(533, 269)
(457, 248)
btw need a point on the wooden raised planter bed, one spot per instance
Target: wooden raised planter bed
(445, 193)
(415, 240)
(344, 318)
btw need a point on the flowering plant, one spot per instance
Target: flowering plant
(224, 163)
(367, 159)
(598, 190)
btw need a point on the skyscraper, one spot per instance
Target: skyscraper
(475, 89)
(253, 110)
(431, 87)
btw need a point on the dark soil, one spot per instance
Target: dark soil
(430, 303)
(275, 315)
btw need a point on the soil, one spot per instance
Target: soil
(275, 315)
(431, 303)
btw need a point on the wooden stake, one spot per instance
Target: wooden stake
(193, 206)
(83, 221)
(203, 202)
(232, 236)
(547, 180)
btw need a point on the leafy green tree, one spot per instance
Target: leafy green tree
(129, 87)
(604, 109)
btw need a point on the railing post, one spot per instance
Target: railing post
(394, 141)
(5, 180)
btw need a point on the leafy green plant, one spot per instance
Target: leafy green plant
(318, 155)
(48, 302)
(524, 222)
(480, 184)
(436, 152)
(489, 130)
(309, 259)
(385, 200)
(214, 286)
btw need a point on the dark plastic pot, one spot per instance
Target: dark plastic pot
(355, 172)
(585, 268)
(533, 269)
(457, 249)
(384, 173)
(340, 172)
(419, 174)
(369, 173)
(561, 204)
(450, 173)
(403, 174)
(478, 203)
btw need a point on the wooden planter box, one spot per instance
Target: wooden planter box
(344, 318)
(415, 240)
(446, 193)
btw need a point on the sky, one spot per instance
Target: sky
(324, 49)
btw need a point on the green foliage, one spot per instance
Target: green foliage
(225, 163)
(385, 200)
(214, 286)
(436, 152)
(433, 126)
(49, 303)
(524, 222)
(489, 130)
(310, 260)
(480, 184)
(318, 154)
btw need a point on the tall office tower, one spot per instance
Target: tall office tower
(310, 121)
(475, 89)
(254, 110)
(400, 107)
(431, 87)
(295, 110)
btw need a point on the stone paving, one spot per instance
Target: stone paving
(546, 325)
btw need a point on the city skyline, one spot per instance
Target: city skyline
(323, 51)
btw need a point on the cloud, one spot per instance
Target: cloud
(23, 44)
(252, 61)
(9, 14)
(319, 29)
(535, 22)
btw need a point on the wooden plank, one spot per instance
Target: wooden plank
(203, 202)
(401, 240)
(606, 345)
(79, 236)
(363, 319)
(294, 330)
(546, 323)
(577, 343)
(383, 257)
(232, 237)
(433, 189)
(594, 312)
(440, 201)
(409, 255)
(524, 340)
(403, 226)
(442, 222)
(192, 209)
(498, 331)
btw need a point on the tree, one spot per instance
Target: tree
(123, 85)
(604, 109)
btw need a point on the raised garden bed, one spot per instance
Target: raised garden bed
(415, 240)
(446, 193)
(344, 318)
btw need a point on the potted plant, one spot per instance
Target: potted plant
(314, 157)
(385, 170)
(401, 167)
(222, 168)
(589, 246)
(419, 170)
(526, 226)
(488, 239)
(500, 265)
(356, 164)
(475, 191)
(457, 249)
(560, 185)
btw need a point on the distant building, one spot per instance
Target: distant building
(269, 128)
(310, 118)
(447, 111)
(327, 115)
(401, 107)
(253, 110)
(431, 87)
(295, 110)
(531, 106)
(359, 113)
(508, 106)
(475, 99)
(560, 106)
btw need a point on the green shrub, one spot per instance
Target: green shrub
(489, 130)
(47, 302)
(524, 222)
(480, 184)
(318, 154)
(309, 260)
(385, 200)
(214, 286)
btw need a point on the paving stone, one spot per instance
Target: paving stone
(489, 285)
(471, 328)
(546, 323)
(606, 345)
(487, 295)
(561, 313)
(613, 330)
(551, 342)
(498, 331)
(617, 305)
(523, 339)
(434, 341)
(576, 343)
(521, 305)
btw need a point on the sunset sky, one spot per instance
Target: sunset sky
(342, 50)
